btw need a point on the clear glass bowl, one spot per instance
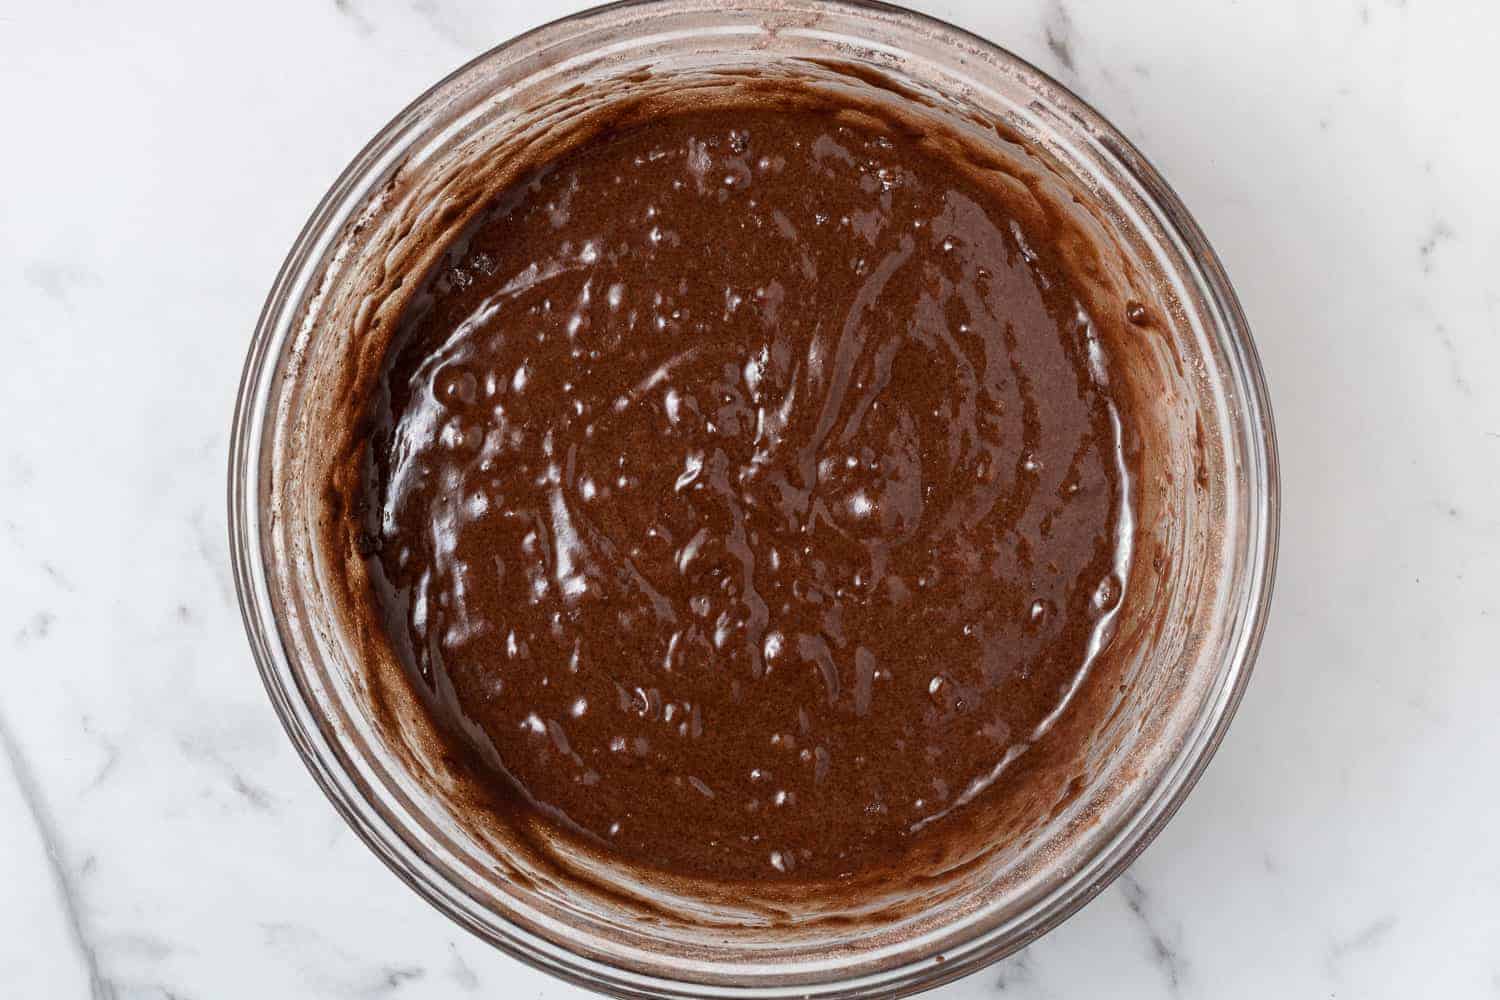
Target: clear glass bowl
(1205, 533)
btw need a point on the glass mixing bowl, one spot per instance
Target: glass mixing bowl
(1204, 535)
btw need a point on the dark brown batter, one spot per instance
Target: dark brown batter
(744, 494)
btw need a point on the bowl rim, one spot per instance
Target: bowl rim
(1097, 871)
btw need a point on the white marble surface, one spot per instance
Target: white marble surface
(159, 837)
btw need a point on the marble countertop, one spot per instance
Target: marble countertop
(159, 837)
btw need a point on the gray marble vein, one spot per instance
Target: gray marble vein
(329, 971)
(1367, 937)
(1438, 234)
(449, 26)
(202, 750)
(461, 972)
(100, 987)
(59, 280)
(56, 575)
(214, 553)
(1057, 25)
(1163, 953)
(355, 16)
(37, 628)
(24, 473)
(1455, 363)
(1018, 976)
(110, 749)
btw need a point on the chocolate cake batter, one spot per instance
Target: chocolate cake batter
(744, 494)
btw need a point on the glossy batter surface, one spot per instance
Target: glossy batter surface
(744, 494)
